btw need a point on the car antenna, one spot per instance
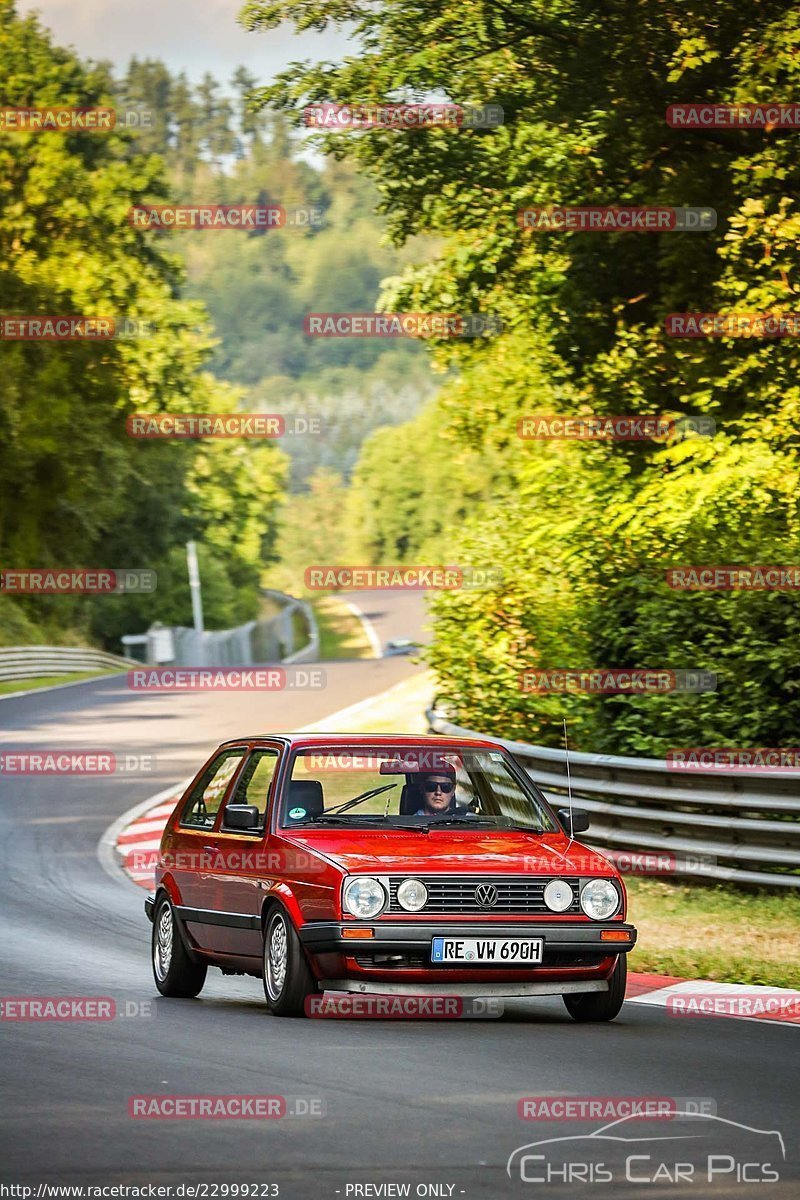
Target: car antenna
(569, 780)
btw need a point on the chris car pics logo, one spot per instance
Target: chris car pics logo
(699, 1150)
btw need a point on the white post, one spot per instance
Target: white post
(194, 586)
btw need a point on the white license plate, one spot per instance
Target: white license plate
(508, 951)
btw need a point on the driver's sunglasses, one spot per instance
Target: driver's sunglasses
(446, 787)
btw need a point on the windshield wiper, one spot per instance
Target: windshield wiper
(340, 808)
(334, 819)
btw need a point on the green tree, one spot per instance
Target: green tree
(75, 489)
(584, 533)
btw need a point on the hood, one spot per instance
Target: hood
(464, 852)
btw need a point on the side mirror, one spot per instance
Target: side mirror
(241, 816)
(580, 819)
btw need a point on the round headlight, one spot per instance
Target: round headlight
(412, 895)
(600, 899)
(558, 895)
(364, 897)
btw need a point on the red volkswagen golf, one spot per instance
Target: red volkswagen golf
(388, 865)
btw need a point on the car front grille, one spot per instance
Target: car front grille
(459, 894)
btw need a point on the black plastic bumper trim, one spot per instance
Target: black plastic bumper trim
(322, 937)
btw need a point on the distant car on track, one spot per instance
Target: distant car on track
(400, 646)
(387, 865)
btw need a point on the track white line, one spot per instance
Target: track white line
(369, 628)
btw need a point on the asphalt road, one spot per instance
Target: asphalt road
(418, 1103)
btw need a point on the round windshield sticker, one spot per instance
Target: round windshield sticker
(297, 813)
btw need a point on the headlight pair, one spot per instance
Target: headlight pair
(599, 898)
(365, 896)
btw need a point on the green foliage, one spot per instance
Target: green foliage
(75, 490)
(259, 287)
(585, 532)
(310, 532)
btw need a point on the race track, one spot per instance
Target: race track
(419, 1102)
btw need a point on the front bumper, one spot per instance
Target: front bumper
(326, 937)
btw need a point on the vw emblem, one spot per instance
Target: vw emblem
(486, 894)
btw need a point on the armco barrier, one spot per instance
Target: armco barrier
(747, 825)
(266, 640)
(31, 662)
(309, 652)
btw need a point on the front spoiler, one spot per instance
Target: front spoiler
(149, 905)
(325, 937)
(464, 990)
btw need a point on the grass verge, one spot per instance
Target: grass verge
(45, 681)
(401, 709)
(341, 634)
(715, 932)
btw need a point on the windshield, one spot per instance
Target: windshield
(415, 786)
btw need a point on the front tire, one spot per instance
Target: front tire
(174, 972)
(288, 981)
(600, 1006)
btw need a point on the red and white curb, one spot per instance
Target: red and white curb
(133, 844)
(685, 998)
(130, 846)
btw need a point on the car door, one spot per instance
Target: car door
(245, 863)
(194, 848)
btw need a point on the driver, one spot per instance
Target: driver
(437, 791)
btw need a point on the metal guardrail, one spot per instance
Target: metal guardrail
(32, 662)
(265, 640)
(719, 824)
(309, 652)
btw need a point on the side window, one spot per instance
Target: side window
(203, 803)
(254, 785)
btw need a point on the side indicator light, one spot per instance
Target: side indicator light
(358, 933)
(614, 935)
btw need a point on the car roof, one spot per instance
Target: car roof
(387, 740)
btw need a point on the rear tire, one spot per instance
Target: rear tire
(600, 1006)
(288, 981)
(174, 972)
